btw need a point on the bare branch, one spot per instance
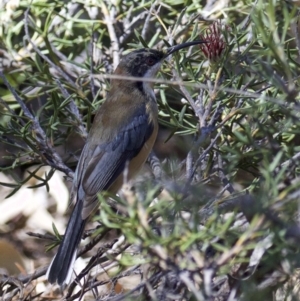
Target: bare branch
(110, 20)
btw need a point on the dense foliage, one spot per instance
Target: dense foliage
(219, 218)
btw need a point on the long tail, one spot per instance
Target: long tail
(61, 267)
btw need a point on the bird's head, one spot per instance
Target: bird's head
(145, 63)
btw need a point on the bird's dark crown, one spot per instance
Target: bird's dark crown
(138, 62)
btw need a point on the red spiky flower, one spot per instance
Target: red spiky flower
(215, 44)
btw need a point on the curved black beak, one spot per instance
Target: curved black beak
(175, 48)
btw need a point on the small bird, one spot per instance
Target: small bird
(121, 137)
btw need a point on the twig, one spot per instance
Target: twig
(222, 176)
(129, 28)
(187, 95)
(200, 108)
(294, 109)
(183, 276)
(245, 23)
(147, 21)
(213, 95)
(108, 16)
(216, 115)
(42, 236)
(189, 165)
(94, 261)
(73, 109)
(206, 151)
(291, 161)
(92, 243)
(7, 296)
(42, 271)
(36, 274)
(245, 203)
(295, 29)
(13, 282)
(59, 70)
(92, 82)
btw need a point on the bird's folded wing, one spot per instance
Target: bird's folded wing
(109, 159)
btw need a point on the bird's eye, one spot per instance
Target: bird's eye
(150, 61)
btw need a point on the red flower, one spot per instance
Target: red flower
(215, 43)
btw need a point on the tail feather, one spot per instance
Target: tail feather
(61, 267)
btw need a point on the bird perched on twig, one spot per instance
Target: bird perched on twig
(121, 137)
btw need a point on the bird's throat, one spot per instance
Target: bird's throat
(147, 86)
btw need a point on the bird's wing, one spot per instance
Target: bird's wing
(108, 159)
